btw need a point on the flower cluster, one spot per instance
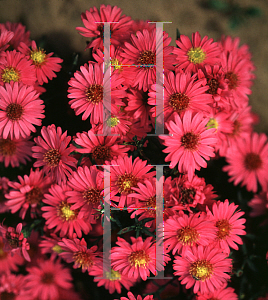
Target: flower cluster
(80, 185)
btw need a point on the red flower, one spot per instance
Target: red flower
(5, 37)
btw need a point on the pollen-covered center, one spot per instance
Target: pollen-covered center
(34, 196)
(66, 213)
(126, 182)
(14, 111)
(101, 152)
(52, 157)
(252, 161)
(224, 228)
(83, 259)
(7, 147)
(47, 278)
(139, 258)
(114, 275)
(94, 93)
(92, 196)
(147, 58)
(201, 269)
(151, 205)
(187, 195)
(187, 235)
(232, 80)
(10, 74)
(179, 102)
(112, 122)
(116, 64)
(213, 86)
(38, 57)
(190, 141)
(212, 123)
(196, 55)
(57, 249)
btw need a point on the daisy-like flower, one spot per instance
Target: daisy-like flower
(125, 175)
(87, 89)
(182, 231)
(28, 193)
(11, 286)
(76, 251)
(94, 28)
(87, 189)
(224, 293)
(14, 66)
(248, 162)
(137, 259)
(142, 52)
(190, 144)
(102, 148)
(52, 153)
(45, 64)
(59, 215)
(203, 268)
(20, 109)
(15, 151)
(195, 54)
(182, 92)
(112, 281)
(139, 297)
(50, 245)
(5, 37)
(45, 280)
(229, 225)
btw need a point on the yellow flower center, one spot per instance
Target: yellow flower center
(66, 213)
(10, 74)
(113, 121)
(196, 55)
(38, 57)
(83, 259)
(139, 258)
(201, 270)
(114, 275)
(212, 123)
(126, 182)
(187, 235)
(116, 64)
(57, 249)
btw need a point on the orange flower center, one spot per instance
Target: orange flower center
(101, 152)
(147, 58)
(10, 74)
(34, 196)
(94, 93)
(232, 80)
(224, 229)
(52, 157)
(7, 147)
(83, 259)
(14, 111)
(201, 270)
(179, 102)
(190, 141)
(139, 258)
(187, 235)
(126, 182)
(92, 196)
(65, 212)
(252, 161)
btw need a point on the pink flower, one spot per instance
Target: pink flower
(5, 37)
(11, 286)
(259, 204)
(20, 109)
(224, 293)
(139, 297)
(248, 162)
(203, 268)
(193, 55)
(4, 188)
(53, 154)
(190, 143)
(229, 225)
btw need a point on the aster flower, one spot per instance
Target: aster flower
(182, 231)
(45, 280)
(76, 251)
(4, 188)
(139, 297)
(112, 281)
(195, 54)
(15, 67)
(229, 225)
(59, 215)
(125, 175)
(190, 143)
(45, 64)
(87, 89)
(224, 293)
(93, 22)
(11, 286)
(203, 268)
(248, 162)
(20, 109)
(15, 151)
(5, 37)
(142, 52)
(137, 259)
(28, 193)
(50, 245)
(53, 154)
(259, 204)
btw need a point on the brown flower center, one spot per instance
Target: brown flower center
(232, 80)
(10, 74)
(102, 153)
(94, 93)
(187, 195)
(52, 157)
(139, 258)
(213, 86)
(201, 269)
(48, 278)
(179, 102)
(126, 182)
(252, 161)
(147, 58)
(7, 147)
(14, 111)
(237, 126)
(92, 196)
(8, 296)
(224, 228)
(190, 141)
(34, 196)
(83, 259)
(187, 235)
(66, 213)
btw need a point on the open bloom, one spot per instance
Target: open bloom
(203, 268)
(190, 143)
(139, 297)
(224, 293)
